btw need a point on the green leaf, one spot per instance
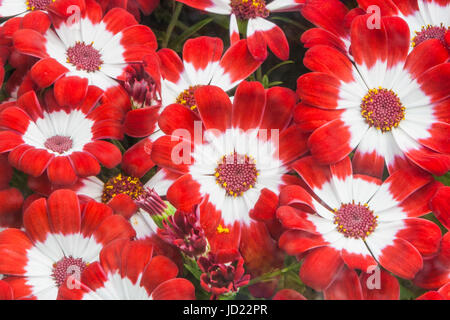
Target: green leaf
(178, 42)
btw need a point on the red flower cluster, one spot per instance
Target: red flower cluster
(132, 172)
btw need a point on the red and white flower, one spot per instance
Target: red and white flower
(392, 107)
(349, 221)
(233, 168)
(60, 240)
(427, 19)
(204, 63)
(127, 271)
(93, 47)
(62, 133)
(260, 31)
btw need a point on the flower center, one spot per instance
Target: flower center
(59, 144)
(38, 4)
(187, 97)
(236, 174)
(430, 32)
(122, 184)
(382, 109)
(249, 9)
(66, 267)
(84, 57)
(355, 220)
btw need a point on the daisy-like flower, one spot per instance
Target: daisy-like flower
(62, 133)
(89, 46)
(236, 167)
(132, 6)
(60, 240)
(202, 64)
(348, 222)
(10, 198)
(391, 106)
(127, 271)
(260, 31)
(427, 19)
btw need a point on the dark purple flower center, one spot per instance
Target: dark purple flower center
(122, 184)
(382, 109)
(84, 57)
(430, 32)
(58, 144)
(38, 4)
(249, 9)
(187, 97)
(355, 220)
(236, 174)
(66, 267)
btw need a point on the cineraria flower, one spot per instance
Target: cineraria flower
(236, 168)
(61, 134)
(98, 49)
(391, 106)
(223, 273)
(426, 19)
(351, 222)
(132, 6)
(202, 64)
(127, 271)
(60, 240)
(11, 199)
(260, 31)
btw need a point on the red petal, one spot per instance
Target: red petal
(106, 153)
(159, 270)
(379, 285)
(214, 107)
(346, 286)
(46, 71)
(174, 289)
(70, 91)
(248, 105)
(64, 212)
(61, 172)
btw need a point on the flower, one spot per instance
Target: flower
(223, 273)
(61, 134)
(127, 271)
(183, 230)
(426, 19)
(100, 55)
(350, 221)
(202, 64)
(60, 240)
(235, 168)
(389, 105)
(260, 31)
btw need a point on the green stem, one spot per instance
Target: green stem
(259, 75)
(172, 24)
(273, 274)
